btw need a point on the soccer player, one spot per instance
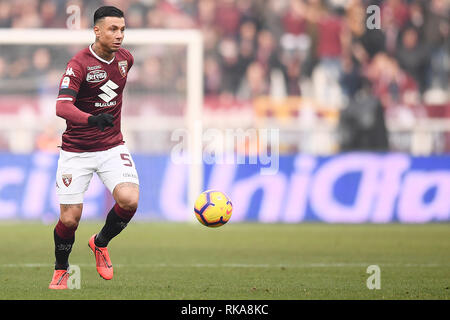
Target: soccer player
(90, 100)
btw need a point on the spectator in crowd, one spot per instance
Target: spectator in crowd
(326, 75)
(362, 124)
(50, 15)
(267, 51)
(231, 68)
(398, 9)
(391, 31)
(254, 83)
(206, 13)
(5, 14)
(437, 37)
(25, 14)
(247, 42)
(365, 43)
(227, 18)
(271, 17)
(417, 18)
(135, 17)
(412, 56)
(212, 77)
(40, 70)
(293, 74)
(350, 77)
(294, 20)
(390, 83)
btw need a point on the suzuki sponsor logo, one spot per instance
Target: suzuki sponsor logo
(108, 91)
(105, 104)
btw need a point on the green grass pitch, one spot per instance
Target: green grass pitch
(241, 261)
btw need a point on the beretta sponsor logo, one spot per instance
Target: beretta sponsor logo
(96, 76)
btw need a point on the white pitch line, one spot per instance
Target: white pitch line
(238, 265)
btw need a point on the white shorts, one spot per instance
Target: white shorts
(75, 170)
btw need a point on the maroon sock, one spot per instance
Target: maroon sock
(64, 232)
(116, 221)
(64, 238)
(123, 214)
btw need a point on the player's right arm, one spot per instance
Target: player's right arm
(65, 103)
(68, 91)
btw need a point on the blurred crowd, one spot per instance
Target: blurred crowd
(322, 49)
(327, 42)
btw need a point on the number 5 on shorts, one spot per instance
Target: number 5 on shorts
(126, 157)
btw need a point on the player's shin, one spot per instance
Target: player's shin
(64, 238)
(116, 221)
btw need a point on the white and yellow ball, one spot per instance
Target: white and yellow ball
(213, 208)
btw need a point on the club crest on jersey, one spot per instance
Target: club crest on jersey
(96, 76)
(123, 67)
(66, 179)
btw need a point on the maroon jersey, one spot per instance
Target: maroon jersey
(94, 86)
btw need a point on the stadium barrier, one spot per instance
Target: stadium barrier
(345, 188)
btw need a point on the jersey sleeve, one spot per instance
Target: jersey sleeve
(67, 110)
(131, 61)
(70, 82)
(130, 58)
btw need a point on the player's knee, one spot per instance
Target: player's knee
(129, 203)
(127, 197)
(70, 215)
(69, 222)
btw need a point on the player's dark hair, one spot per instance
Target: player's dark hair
(107, 11)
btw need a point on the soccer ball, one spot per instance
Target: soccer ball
(213, 208)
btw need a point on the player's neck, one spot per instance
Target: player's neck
(102, 52)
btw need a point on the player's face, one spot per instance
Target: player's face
(110, 32)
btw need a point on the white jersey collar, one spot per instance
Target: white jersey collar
(101, 59)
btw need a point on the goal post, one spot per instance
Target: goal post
(190, 38)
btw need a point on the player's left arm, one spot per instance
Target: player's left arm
(68, 111)
(130, 58)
